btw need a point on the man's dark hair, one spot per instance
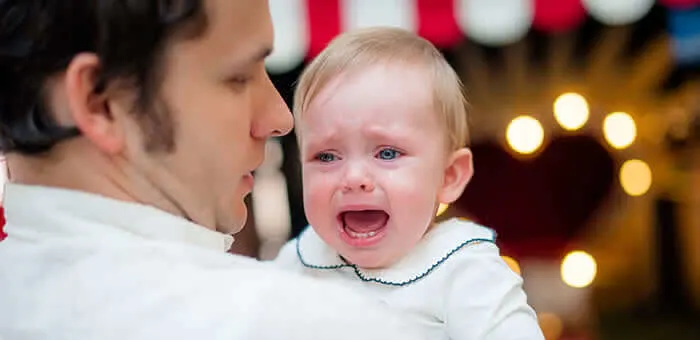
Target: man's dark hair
(39, 38)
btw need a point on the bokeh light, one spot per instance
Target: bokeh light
(571, 111)
(635, 177)
(618, 12)
(619, 129)
(552, 326)
(494, 23)
(525, 134)
(578, 269)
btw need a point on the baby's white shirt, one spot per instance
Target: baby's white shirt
(454, 284)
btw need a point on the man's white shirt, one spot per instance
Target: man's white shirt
(81, 266)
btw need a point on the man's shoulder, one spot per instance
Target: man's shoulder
(163, 293)
(289, 305)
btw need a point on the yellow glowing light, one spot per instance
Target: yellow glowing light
(578, 269)
(442, 208)
(551, 325)
(512, 264)
(571, 111)
(525, 134)
(635, 177)
(619, 129)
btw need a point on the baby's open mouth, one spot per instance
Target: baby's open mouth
(363, 224)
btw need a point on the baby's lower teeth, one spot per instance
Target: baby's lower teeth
(362, 235)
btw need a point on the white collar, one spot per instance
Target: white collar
(438, 245)
(36, 211)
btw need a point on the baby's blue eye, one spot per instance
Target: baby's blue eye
(388, 154)
(325, 157)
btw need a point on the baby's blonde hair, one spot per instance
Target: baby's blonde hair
(370, 46)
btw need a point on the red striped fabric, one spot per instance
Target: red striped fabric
(437, 22)
(437, 19)
(680, 4)
(324, 24)
(558, 15)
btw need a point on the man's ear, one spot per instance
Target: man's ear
(89, 109)
(458, 173)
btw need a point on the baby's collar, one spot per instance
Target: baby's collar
(443, 241)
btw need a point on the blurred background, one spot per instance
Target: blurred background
(585, 123)
(585, 118)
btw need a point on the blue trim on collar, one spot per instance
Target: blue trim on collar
(362, 277)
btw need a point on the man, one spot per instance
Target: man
(131, 129)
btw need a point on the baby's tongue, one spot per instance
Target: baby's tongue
(365, 221)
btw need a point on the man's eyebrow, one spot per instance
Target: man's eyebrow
(247, 62)
(256, 57)
(263, 54)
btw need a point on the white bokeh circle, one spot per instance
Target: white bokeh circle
(618, 12)
(368, 13)
(291, 35)
(494, 22)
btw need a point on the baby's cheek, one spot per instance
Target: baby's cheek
(316, 189)
(417, 207)
(317, 196)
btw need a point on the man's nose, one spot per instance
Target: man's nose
(274, 118)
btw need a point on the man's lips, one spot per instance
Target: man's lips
(249, 180)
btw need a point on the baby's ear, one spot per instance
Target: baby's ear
(458, 173)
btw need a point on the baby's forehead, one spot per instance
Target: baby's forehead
(371, 120)
(376, 85)
(398, 72)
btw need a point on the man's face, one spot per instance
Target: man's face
(223, 107)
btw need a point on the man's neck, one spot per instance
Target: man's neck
(87, 171)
